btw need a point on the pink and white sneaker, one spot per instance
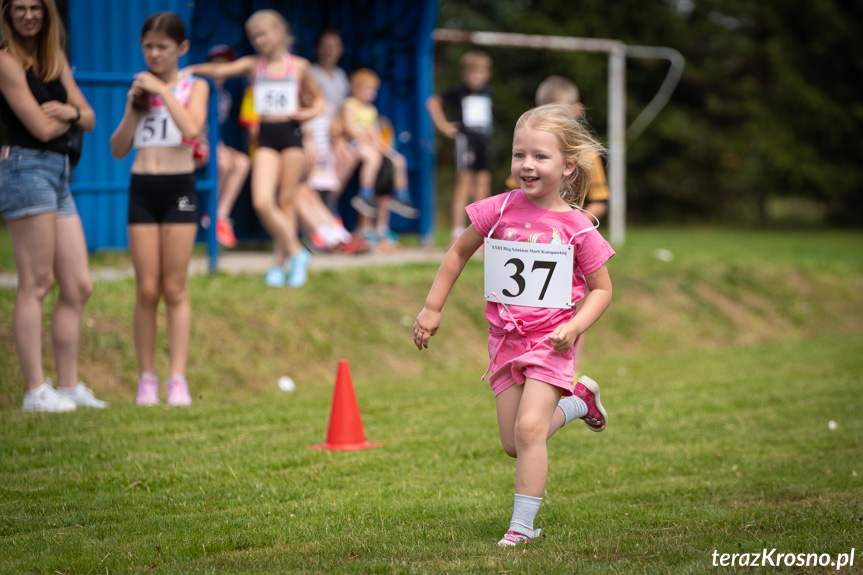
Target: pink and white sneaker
(513, 538)
(588, 391)
(178, 391)
(148, 389)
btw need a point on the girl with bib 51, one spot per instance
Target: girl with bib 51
(165, 112)
(542, 254)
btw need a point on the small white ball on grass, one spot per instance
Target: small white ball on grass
(832, 425)
(286, 383)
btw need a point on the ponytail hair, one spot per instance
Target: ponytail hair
(576, 142)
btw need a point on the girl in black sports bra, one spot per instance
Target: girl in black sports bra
(165, 112)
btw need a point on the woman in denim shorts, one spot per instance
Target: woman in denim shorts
(39, 103)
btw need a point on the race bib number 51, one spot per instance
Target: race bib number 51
(528, 274)
(157, 129)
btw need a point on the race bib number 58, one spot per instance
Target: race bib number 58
(528, 274)
(276, 98)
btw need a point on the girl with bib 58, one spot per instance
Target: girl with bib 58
(281, 84)
(542, 255)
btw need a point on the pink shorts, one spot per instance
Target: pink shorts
(514, 358)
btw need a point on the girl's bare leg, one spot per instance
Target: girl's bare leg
(525, 414)
(231, 178)
(145, 249)
(177, 242)
(266, 177)
(293, 162)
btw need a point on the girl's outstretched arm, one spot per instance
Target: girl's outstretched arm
(428, 320)
(597, 301)
(244, 66)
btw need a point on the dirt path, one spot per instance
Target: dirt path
(260, 262)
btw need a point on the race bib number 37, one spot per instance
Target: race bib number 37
(528, 274)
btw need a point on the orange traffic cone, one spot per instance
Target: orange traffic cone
(345, 432)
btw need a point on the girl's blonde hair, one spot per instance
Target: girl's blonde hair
(49, 44)
(271, 16)
(575, 140)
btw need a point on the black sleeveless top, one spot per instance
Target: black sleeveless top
(16, 131)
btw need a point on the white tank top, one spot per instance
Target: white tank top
(276, 96)
(156, 128)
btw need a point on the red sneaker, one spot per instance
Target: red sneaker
(318, 241)
(588, 391)
(225, 233)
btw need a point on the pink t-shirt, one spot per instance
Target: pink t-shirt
(524, 221)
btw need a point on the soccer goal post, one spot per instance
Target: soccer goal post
(617, 52)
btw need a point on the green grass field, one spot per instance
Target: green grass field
(721, 370)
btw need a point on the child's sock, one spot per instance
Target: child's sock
(573, 408)
(368, 194)
(523, 513)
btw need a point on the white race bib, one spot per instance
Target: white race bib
(276, 98)
(528, 274)
(157, 129)
(476, 112)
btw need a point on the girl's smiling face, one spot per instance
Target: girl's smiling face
(161, 52)
(538, 164)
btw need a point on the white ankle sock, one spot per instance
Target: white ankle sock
(524, 511)
(573, 408)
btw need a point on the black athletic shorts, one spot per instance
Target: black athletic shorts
(280, 135)
(163, 199)
(472, 152)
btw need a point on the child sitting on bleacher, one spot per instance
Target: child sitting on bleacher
(361, 126)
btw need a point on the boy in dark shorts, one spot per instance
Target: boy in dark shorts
(464, 113)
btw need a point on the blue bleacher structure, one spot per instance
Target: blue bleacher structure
(392, 37)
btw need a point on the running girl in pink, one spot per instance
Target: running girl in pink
(165, 112)
(542, 255)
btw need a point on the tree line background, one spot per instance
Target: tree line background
(763, 128)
